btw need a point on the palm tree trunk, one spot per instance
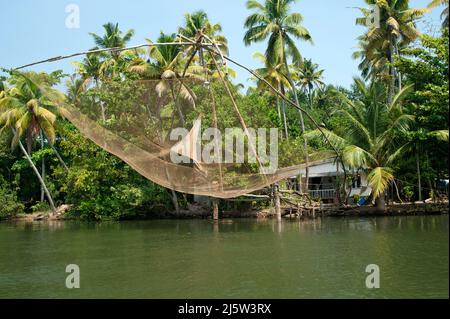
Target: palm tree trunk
(391, 70)
(302, 122)
(42, 166)
(102, 107)
(49, 197)
(60, 158)
(380, 203)
(56, 152)
(177, 106)
(399, 75)
(419, 179)
(283, 107)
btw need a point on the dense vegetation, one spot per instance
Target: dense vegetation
(393, 121)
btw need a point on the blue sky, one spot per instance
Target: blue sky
(33, 30)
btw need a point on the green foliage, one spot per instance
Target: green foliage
(408, 192)
(9, 204)
(40, 207)
(100, 185)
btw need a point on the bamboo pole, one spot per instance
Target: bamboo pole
(117, 49)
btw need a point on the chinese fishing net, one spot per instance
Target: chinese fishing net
(134, 120)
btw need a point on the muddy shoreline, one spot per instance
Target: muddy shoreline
(405, 209)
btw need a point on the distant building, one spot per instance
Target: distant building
(322, 182)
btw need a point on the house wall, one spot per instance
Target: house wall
(327, 171)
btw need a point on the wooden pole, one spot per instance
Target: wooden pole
(215, 202)
(276, 195)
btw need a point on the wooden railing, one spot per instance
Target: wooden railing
(322, 193)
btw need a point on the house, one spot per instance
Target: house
(323, 180)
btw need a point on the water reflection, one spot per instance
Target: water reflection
(246, 258)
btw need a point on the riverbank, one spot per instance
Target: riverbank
(404, 209)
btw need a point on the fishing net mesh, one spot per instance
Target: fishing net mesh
(134, 119)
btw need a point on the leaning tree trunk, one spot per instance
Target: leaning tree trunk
(279, 108)
(57, 153)
(59, 157)
(283, 108)
(302, 122)
(49, 197)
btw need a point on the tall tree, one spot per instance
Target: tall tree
(273, 21)
(166, 64)
(309, 77)
(274, 74)
(113, 38)
(197, 23)
(27, 111)
(425, 65)
(395, 29)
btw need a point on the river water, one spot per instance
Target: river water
(247, 258)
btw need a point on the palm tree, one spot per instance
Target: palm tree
(444, 14)
(273, 21)
(309, 77)
(197, 23)
(166, 64)
(371, 137)
(25, 110)
(113, 38)
(397, 28)
(373, 65)
(275, 76)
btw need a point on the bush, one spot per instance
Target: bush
(40, 207)
(9, 205)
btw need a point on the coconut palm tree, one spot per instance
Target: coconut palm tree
(275, 76)
(197, 23)
(397, 28)
(113, 38)
(371, 137)
(373, 65)
(26, 111)
(91, 71)
(309, 77)
(444, 14)
(273, 21)
(166, 64)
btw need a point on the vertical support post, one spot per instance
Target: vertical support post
(215, 203)
(277, 201)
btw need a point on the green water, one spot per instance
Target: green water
(234, 259)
